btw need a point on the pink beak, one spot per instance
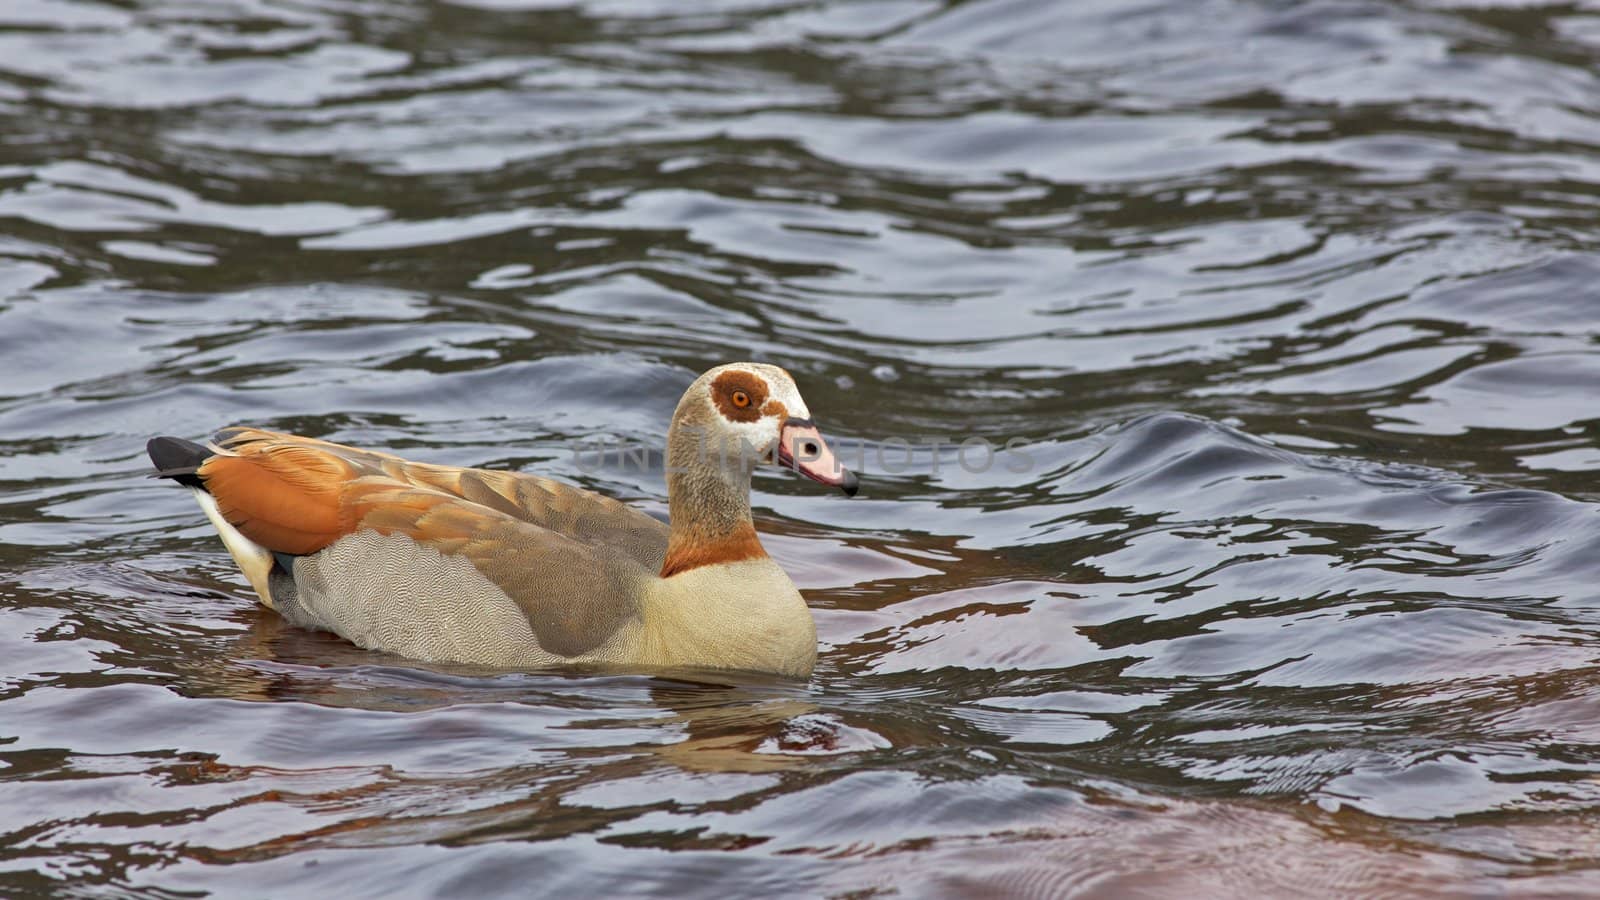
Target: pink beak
(801, 448)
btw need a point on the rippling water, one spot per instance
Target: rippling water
(1294, 307)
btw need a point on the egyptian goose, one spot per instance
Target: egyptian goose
(511, 570)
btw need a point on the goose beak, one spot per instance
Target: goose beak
(801, 448)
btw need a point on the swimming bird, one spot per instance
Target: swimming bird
(513, 570)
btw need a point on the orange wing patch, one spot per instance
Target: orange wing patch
(283, 496)
(298, 495)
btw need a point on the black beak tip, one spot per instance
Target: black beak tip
(850, 484)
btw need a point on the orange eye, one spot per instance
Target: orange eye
(741, 399)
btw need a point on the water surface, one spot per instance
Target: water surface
(1292, 307)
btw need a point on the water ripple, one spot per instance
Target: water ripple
(1277, 317)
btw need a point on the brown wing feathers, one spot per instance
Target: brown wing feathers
(297, 495)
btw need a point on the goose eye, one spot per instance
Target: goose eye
(741, 399)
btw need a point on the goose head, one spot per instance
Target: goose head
(744, 413)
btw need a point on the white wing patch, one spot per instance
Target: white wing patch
(254, 560)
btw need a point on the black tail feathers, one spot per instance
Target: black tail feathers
(178, 459)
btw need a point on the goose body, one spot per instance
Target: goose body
(512, 570)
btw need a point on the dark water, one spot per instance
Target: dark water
(1294, 307)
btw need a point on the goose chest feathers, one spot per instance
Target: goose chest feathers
(512, 570)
